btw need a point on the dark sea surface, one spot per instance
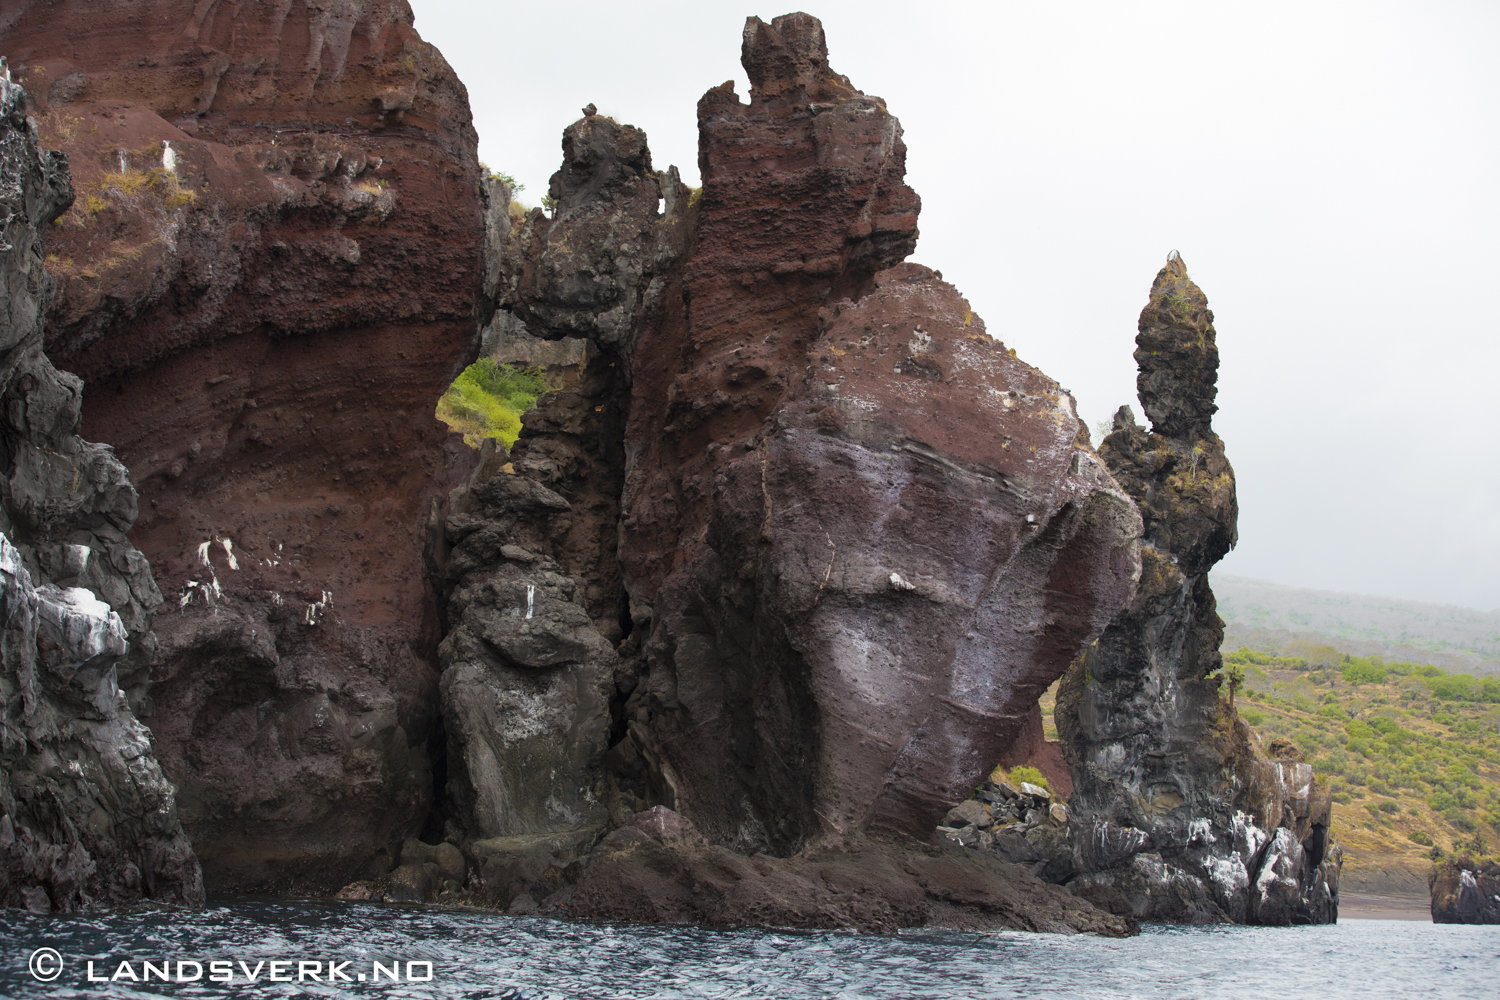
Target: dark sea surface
(477, 955)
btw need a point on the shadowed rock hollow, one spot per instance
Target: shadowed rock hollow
(1177, 814)
(799, 551)
(268, 277)
(86, 815)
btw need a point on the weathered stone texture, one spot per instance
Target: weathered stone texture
(840, 538)
(86, 815)
(859, 535)
(1177, 814)
(267, 280)
(1465, 890)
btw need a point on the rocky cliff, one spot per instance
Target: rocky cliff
(1465, 890)
(267, 279)
(1177, 813)
(86, 815)
(798, 553)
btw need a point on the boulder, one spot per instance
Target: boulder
(448, 858)
(970, 813)
(413, 884)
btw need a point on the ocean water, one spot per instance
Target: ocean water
(486, 956)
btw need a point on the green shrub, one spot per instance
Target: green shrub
(1364, 672)
(1031, 774)
(1418, 837)
(487, 400)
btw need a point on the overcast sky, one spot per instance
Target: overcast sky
(1330, 173)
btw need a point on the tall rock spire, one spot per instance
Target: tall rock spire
(1177, 814)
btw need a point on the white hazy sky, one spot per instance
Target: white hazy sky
(1329, 171)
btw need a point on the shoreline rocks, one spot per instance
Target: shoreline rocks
(656, 868)
(1465, 890)
(1177, 814)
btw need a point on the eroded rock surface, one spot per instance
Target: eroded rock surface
(526, 554)
(658, 868)
(859, 535)
(268, 277)
(1177, 814)
(812, 542)
(1465, 890)
(86, 815)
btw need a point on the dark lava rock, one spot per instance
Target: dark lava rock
(527, 676)
(859, 536)
(86, 815)
(1176, 813)
(1465, 891)
(448, 858)
(639, 874)
(268, 279)
(818, 542)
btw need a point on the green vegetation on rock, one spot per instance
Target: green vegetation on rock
(487, 401)
(1020, 774)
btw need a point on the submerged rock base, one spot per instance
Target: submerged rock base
(1466, 891)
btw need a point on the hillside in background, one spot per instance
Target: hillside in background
(1412, 755)
(1323, 626)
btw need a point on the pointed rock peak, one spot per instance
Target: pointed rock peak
(598, 154)
(1177, 355)
(789, 56)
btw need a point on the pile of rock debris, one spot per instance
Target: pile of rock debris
(1020, 822)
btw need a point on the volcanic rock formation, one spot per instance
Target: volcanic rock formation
(860, 535)
(269, 276)
(1176, 812)
(802, 546)
(86, 815)
(1465, 891)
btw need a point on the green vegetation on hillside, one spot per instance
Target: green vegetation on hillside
(487, 400)
(1411, 753)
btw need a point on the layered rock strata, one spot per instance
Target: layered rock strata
(796, 555)
(86, 815)
(1177, 814)
(859, 535)
(1465, 890)
(268, 277)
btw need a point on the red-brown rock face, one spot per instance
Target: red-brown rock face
(267, 279)
(863, 535)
